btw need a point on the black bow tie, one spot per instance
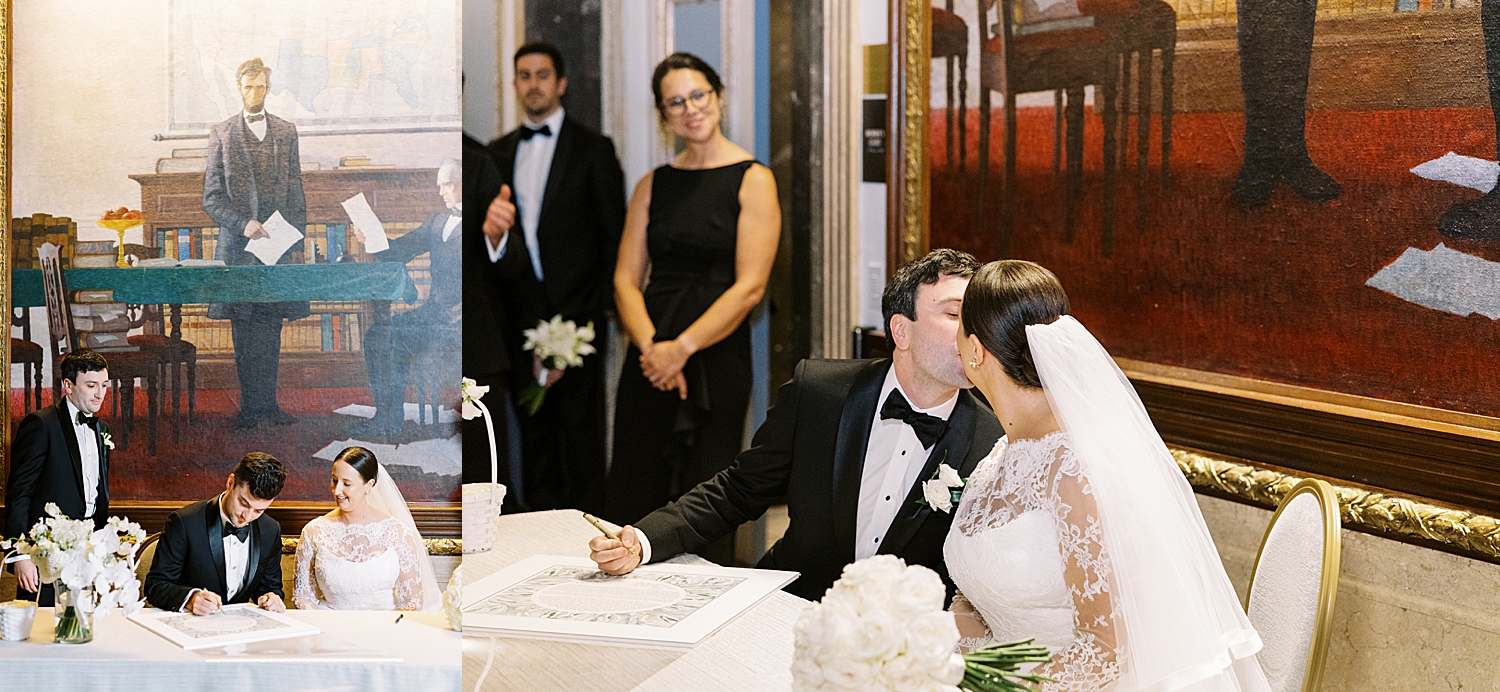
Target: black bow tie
(527, 132)
(928, 428)
(255, 118)
(86, 419)
(242, 532)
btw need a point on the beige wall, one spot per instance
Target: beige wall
(1405, 618)
(90, 91)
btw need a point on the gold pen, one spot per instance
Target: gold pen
(605, 530)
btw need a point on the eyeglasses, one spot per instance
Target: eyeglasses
(677, 105)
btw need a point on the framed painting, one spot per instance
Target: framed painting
(252, 205)
(1296, 263)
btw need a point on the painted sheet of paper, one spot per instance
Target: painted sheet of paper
(360, 214)
(567, 598)
(281, 237)
(1467, 171)
(234, 624)
(1443, 279)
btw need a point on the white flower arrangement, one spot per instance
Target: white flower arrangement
(561, 344)
(81, 558)
(880, 627)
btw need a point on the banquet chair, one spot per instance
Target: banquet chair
(1155, 29)
(125, 366)
(950, 42)
(145, 555)
(1290, 597)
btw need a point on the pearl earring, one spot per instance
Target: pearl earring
(972, 363)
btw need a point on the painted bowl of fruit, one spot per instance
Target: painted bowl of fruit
(121, 218)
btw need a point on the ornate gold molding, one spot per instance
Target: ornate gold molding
(5, 251)
(914, 185)
(1473, 534)
(435, 546)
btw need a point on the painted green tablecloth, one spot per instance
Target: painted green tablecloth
(245, 284)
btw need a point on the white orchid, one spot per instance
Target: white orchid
(472, 392)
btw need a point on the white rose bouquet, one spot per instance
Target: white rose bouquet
(96, 567)
(882, 627)
(560, 345)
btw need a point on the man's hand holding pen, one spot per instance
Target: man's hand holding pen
(616, 556)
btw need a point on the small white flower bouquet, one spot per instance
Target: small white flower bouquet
(882, 627)
(561, 345)
(98, 567)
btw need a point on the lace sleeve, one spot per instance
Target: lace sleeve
(304, 593)
(409, 580)
(1090, 662)
(973, 631)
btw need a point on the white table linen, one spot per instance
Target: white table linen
(124, 656)
(751, 654)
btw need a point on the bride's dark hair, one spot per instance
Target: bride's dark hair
(1002, 298)
(362, 460)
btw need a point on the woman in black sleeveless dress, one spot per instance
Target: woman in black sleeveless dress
(707, 225)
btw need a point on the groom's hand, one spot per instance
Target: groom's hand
(271, 602)
(26, 575)
(204, 602)
(616, 557)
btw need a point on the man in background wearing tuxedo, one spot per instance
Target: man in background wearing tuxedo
(223, 550)
(563, 193)
(254, 170)
(60, 455)
(847, 447)
(391, 346)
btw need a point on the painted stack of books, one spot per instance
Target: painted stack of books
(96, 254)
(102, 324)
(31, 232)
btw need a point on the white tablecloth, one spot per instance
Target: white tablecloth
(751, 654)
(126, 656)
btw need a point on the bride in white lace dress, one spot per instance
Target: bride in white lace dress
(1078, 529)
(367, 554)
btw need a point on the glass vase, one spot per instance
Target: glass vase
(74, 624)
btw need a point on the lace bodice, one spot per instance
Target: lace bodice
(358, 566)
(1026, 553)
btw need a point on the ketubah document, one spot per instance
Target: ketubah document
(568, 598)
(234, 624)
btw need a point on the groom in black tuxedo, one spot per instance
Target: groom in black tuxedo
(60, 455)
(847, 446)
(223, 550)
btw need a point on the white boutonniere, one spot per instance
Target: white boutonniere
(108, 441)
(944, 490)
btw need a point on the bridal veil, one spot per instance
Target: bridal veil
(387, 498)
(1180, 623)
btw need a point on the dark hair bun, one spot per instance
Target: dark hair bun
(1002, 299)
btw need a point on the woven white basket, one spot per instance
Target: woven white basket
(482, 501)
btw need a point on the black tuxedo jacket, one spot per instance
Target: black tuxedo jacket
(236, 191)
(190, 555)
(484, 309)
(578, 231)
(45, 466)
(446, 262)
(811, 451)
